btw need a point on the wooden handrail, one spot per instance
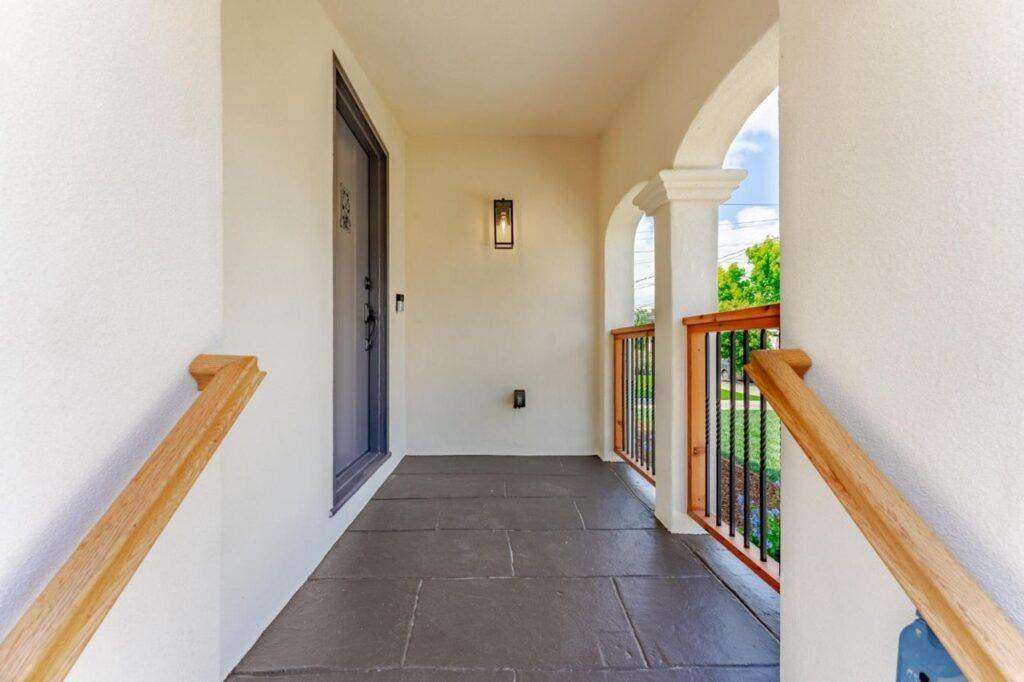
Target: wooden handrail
(635, 330)
(758, 317)
(974, 631)
(53, 631)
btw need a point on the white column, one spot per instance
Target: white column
(684, 204)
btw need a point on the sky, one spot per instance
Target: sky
(750, 215)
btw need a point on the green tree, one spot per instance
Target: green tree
(642, 316)
(739, 289)
(733, 287)
(764, 273)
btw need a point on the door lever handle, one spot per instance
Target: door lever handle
(370, 318)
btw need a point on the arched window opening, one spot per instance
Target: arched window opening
(748, 225)
(643, 272)
(748, 276)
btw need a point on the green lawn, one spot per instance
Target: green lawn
(773, 443)
(754, 398)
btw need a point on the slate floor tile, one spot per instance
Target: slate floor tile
(595, 485)
(591, 464)
(601, 553)
(533, 623)
(754, 592)
(398, 515)
(337, 623)
(553, 611)
(611, 512)
(530, 513)
(694, 621)
(433, 553)
(701, 674)
(441, 485)
(390, 675)
(479, 464)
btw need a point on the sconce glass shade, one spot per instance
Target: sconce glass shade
(504, 230)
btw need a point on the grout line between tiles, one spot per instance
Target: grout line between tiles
(632, 626)
(412, 620)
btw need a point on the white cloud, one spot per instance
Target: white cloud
(753, 225)
(763, 121)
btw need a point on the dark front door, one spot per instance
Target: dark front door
(359, 251)
(354, 317)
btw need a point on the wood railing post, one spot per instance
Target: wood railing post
(696, 445)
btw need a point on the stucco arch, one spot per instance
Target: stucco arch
(617, 285)
(720, 118)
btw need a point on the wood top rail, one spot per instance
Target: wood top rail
(636, 330)
(53, 631)
(971, 627)
(758, 317)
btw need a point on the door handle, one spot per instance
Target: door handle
(370, 319)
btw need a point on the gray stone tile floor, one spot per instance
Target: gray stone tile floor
(520, 569)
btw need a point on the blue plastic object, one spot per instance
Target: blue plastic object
(922, 658)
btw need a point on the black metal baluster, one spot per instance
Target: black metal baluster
(624, 351)
(646, 402)
(629, 393)
(622, 398)
(746, 441)
(636, 399)
(636, 415)
(643, 393)
(732, 434)
(707, 421)
(653, 445)
(718, 429)
(762, 449)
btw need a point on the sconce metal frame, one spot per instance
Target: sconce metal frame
(500, 206)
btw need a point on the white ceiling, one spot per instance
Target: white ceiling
(509, 67)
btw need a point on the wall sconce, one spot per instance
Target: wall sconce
(504, 231)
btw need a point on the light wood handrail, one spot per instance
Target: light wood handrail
(53, 631)
(635, 330)
(973, 629)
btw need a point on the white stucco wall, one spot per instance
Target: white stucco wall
(644, 134)
(278, 127)
(110, 283)
(483, 322)
(902, 126)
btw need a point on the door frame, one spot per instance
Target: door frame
(347, 481)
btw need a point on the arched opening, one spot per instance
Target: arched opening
(749, 276)
(643, 272)
(748, 225)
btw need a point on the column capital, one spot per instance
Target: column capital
(694, 185)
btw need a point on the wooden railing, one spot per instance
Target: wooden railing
(633, 369)
(730, 492)
(971, 627)
(54, 630)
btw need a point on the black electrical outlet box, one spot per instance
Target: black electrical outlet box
(519, 398)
